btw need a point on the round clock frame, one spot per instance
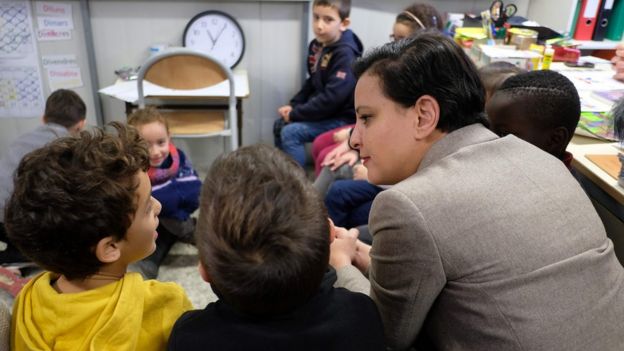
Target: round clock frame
(218, 21)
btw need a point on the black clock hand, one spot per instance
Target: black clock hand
(213, 40)
(220, 32)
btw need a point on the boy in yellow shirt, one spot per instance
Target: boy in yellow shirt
(82, 210)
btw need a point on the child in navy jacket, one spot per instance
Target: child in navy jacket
(326, 99)
(174, 184)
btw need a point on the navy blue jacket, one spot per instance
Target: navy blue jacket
(328, 91)
(179, 196)
(333, 319)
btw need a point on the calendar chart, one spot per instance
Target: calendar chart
(21, 93)
(16, 36)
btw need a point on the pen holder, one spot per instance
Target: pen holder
(621, 177)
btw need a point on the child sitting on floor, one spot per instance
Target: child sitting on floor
(540, 107)
(82, 210)
(263, 238)
(174, 183)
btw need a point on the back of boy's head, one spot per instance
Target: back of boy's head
(64, 107)
(343, 6)
(493, 75)
(72, 193)
(421, 16)
(548, 99)
(262, 233)
(145, 116)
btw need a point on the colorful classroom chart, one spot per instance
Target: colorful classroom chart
(21, 92)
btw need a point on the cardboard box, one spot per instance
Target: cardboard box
(520, 58)
(476, 51)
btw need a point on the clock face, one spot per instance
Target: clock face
(217, 34)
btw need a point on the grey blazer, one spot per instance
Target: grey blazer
(492, 245)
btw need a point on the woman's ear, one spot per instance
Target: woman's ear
(428, 115)
(203, 272)
(107, 250)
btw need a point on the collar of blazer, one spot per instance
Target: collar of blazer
(457, 139)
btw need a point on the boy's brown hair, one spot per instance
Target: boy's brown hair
(64, 107)
(343, 6)
(72, 193)
(147, 115)
(263, 232)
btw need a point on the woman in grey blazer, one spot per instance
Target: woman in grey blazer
(484, 243)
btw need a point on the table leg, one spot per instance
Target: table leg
(239, 120)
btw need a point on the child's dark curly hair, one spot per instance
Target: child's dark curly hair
(72, 193)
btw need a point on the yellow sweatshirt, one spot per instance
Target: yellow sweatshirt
(130, 314)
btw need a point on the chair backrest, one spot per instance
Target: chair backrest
(185, 69)
(184, 72)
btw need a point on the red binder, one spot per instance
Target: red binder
(587, 20)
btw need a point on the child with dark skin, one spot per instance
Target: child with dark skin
(540, 107)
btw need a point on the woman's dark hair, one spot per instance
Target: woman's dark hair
(429, 63)
(71, 194)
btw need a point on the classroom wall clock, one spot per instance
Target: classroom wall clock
(217, 34)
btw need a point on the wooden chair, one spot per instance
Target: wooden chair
(191, 116)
